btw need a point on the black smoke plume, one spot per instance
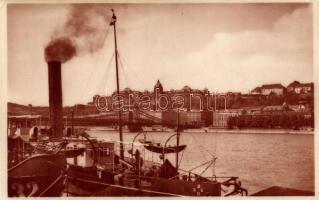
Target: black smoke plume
(83, 32)
(60, 49)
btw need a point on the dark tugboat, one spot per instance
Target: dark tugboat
(37, 163)
(34, 172)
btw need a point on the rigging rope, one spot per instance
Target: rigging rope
(202, 164)
(215, 151)
(202, 148)
(211, 163)
(106, 73)
(94, 66)
(122, 69)
(180, 160)
(132, 71)
(215, 144)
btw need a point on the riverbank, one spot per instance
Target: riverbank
(252, 131)
(214, 130)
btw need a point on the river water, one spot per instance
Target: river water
(259, 160)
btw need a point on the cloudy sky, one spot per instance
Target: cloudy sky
(223, 47)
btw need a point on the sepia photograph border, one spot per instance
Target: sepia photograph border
(4, 81)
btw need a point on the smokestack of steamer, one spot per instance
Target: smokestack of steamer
(84, 28)
(58, 51)
(55, 98)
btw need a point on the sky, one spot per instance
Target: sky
(222, 47)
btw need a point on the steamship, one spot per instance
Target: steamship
(49, 166)
(111, 173)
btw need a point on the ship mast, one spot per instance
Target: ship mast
(177, 140)
(113, 23)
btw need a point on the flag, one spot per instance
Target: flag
(113, 19)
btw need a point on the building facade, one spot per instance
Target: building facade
(220, 118)
(299, 88)
(268, 89)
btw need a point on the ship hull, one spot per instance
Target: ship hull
(86, 187)
(158, 187)
(88, 181)
(39, 175)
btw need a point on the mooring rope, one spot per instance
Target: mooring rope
(52, 184)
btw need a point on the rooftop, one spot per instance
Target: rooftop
(270, 86)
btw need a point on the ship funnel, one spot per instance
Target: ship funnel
(55, 98)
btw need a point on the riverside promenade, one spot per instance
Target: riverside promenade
(251, 131)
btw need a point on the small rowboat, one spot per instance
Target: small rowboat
(161, 149)
(143, 141)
